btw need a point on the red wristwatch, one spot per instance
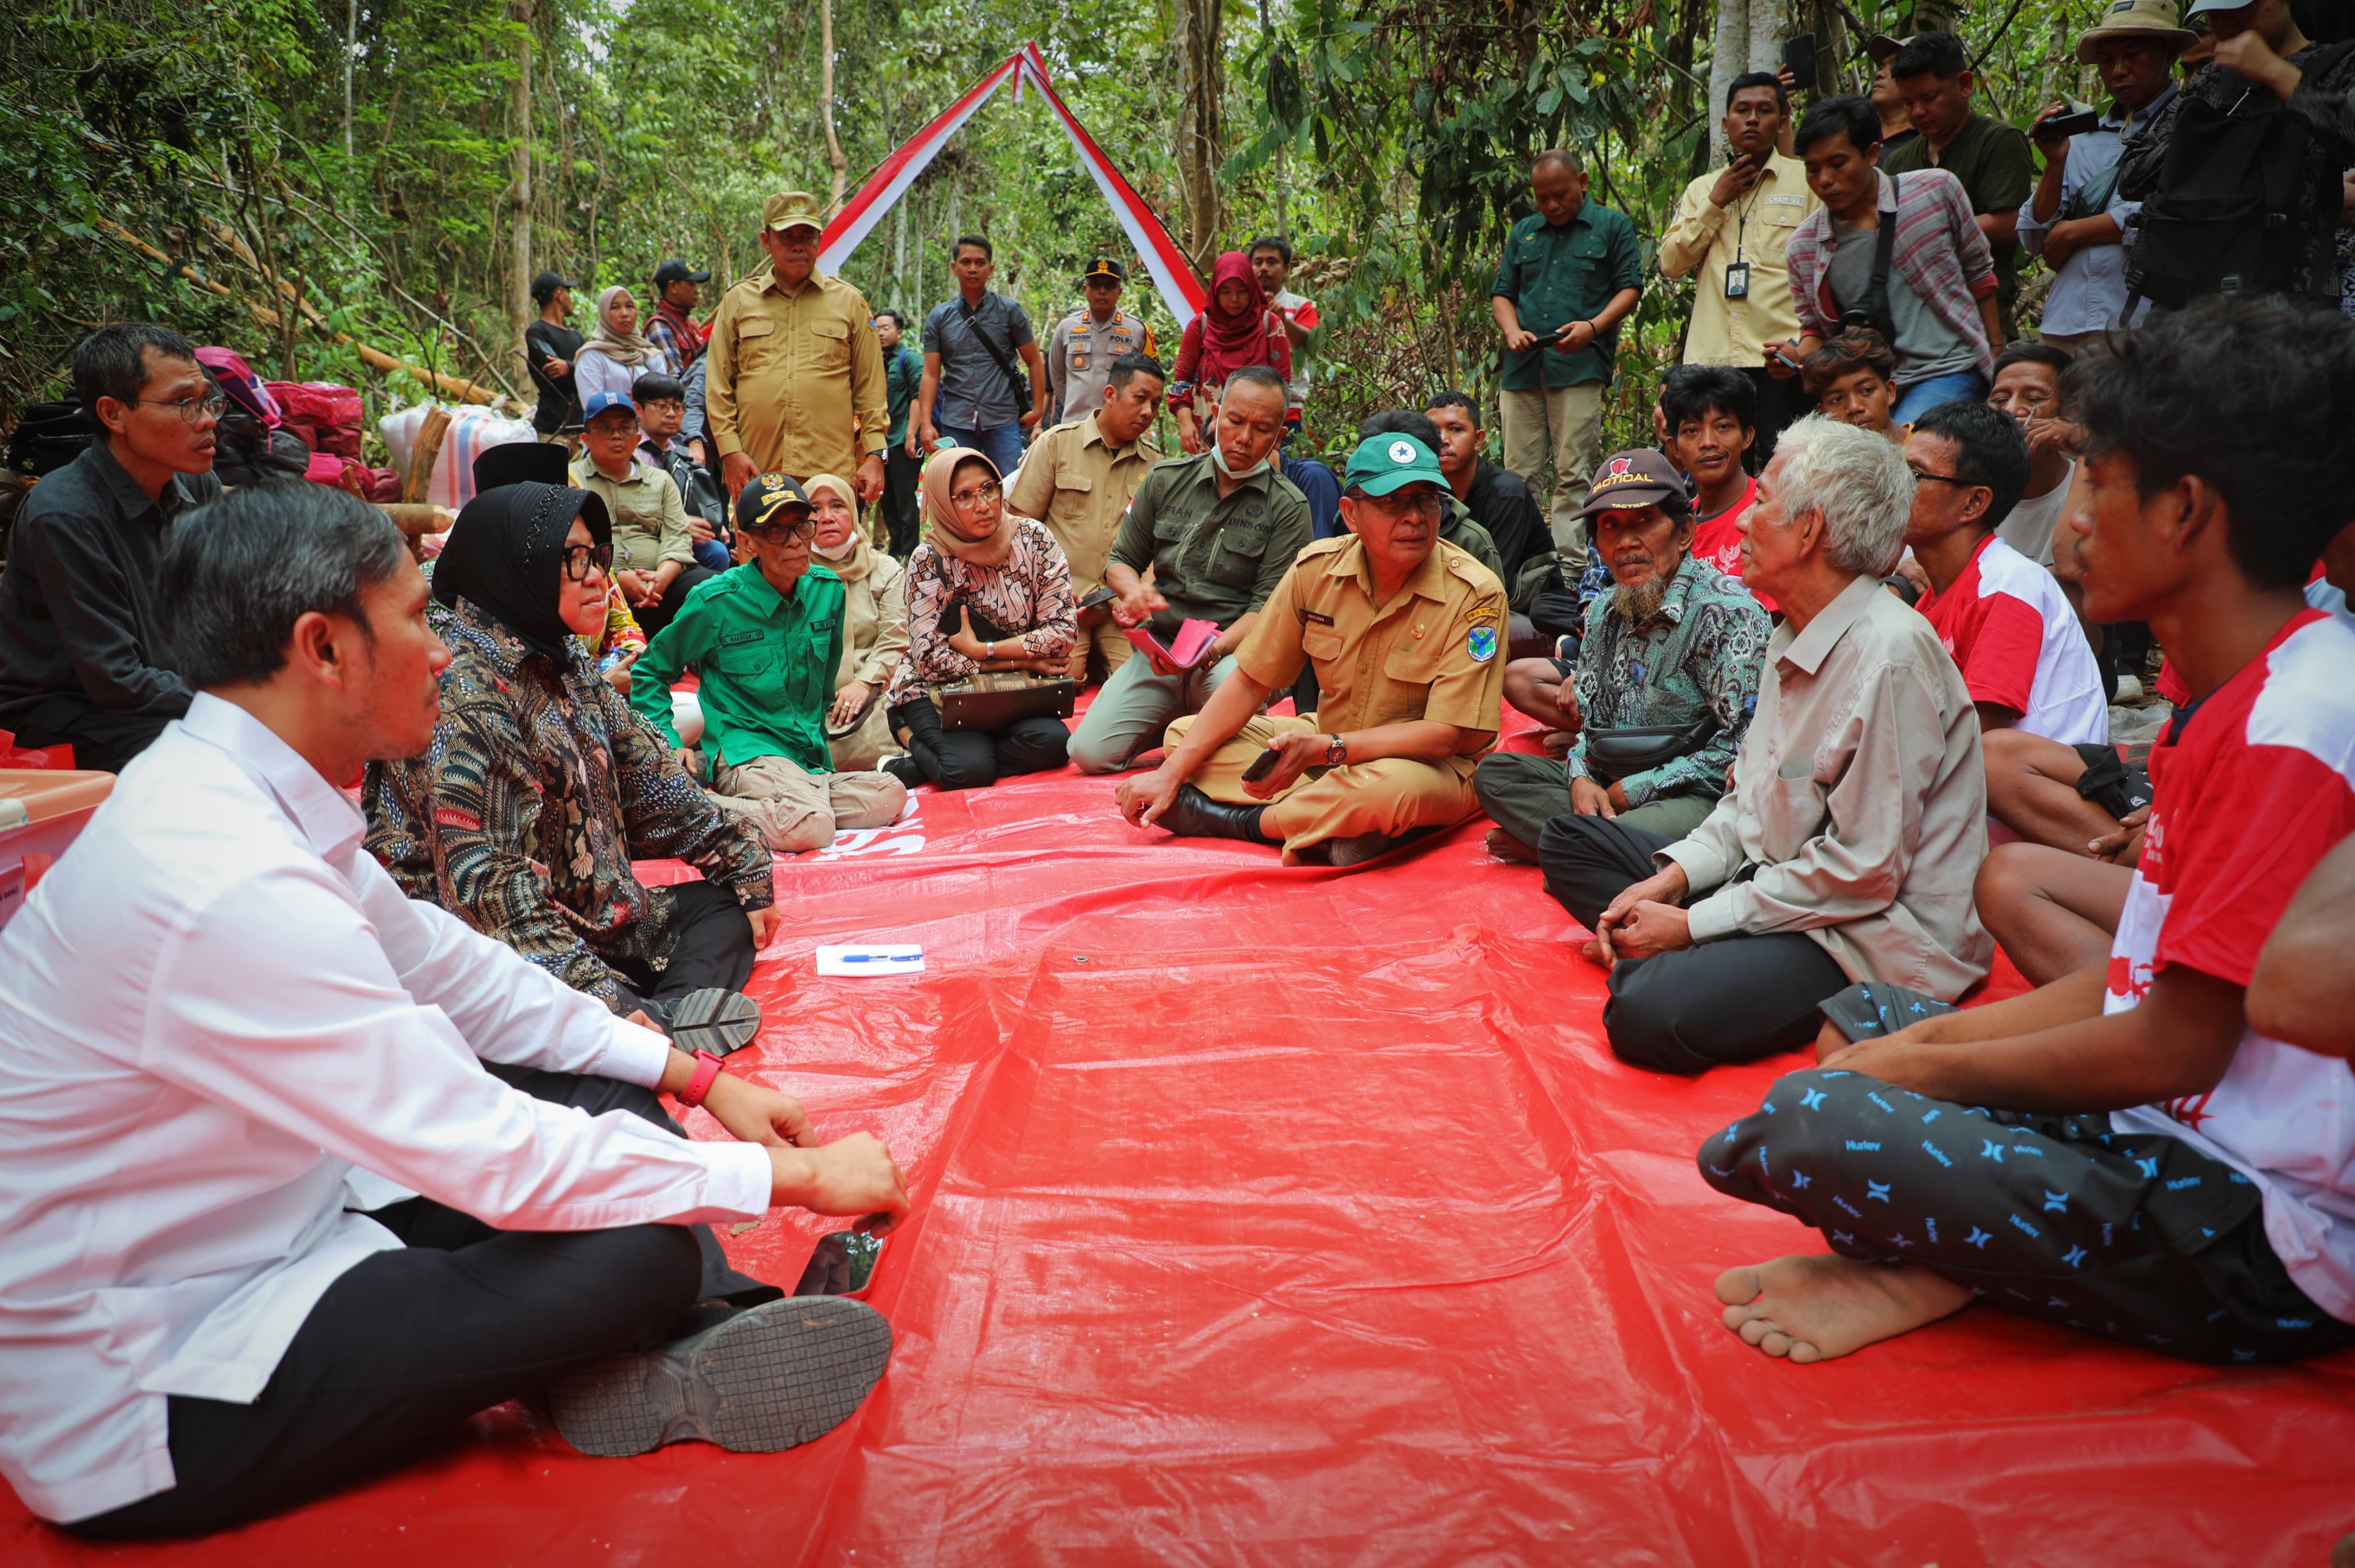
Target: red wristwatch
(707, 1073)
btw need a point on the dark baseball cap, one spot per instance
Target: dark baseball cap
(544, 287)
(759, 502)
(677, 272)
(1636, 477)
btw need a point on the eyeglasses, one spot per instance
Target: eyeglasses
(980, 495)
(794, 525)
(1941, 478)
(1397, 506)
(580, 558)
(191, 409)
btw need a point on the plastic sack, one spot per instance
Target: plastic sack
(325, 413)
(472, 432)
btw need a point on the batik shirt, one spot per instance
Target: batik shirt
(539, 788)
(1028, 596)
(1696, 656)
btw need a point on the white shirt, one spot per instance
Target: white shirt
(214, 1008)
(2016, 638)
(2030, 527)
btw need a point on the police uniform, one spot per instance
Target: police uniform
(1434, 651)
(1079, 485)
(1079, 357)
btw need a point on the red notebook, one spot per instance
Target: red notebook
(1185, 650)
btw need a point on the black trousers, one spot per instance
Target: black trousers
(971, 759)
(1779, 403)
(901, 475)
(712, 945)
(673, 597)
(101, 739)
(1734, 999)
(2133, 1236)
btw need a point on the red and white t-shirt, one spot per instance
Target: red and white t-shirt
(1717, 539)
(2258, 785)
(2017, 643)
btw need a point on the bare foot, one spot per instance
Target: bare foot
(1813, 1308)
(1505, 846)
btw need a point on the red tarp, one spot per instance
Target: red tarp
(1301, 1217)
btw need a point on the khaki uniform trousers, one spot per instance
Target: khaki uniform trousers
(1101, 635)
(1562, 426)
(795, 810)
(1392, 795)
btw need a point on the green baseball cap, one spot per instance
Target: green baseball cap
(1383, 463)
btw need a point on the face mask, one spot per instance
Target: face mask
(841, 552)
(1219, 456)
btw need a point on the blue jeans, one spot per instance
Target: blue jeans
(1001, 444)
(712, 555)
(1959, 386)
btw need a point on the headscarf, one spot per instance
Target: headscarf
(938, 511)
(505, 557)
(633, 350)
(842, 564)
(1231, 341)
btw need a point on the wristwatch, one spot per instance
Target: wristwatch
(1336, 754)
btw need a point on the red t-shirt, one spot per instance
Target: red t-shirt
(2012, 633)
(1717, 539)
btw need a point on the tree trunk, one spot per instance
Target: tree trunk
(1198, 24)
(1728, 56)
(1769, 26)
(351, 46)
(520, 312)
(841, 164)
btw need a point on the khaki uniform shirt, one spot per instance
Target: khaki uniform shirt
(1434, 651)
(1214, 557)
(1080, 356)
(1860, 798)
(1079, 486)
(1708, 239)
(649, 519)
(795, 380)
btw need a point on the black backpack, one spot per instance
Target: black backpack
(697, 491)
(48, 436)
(2221, 221)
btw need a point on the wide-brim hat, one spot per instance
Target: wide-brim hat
(2143, 19)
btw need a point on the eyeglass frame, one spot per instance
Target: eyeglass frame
(804, 527)
(1957, 480)
(599, 556)
(990, 491)
(191, 409)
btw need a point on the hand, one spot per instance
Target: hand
(1295, 753)
(2053, 435)
(1030, 420)
(868, 480)
(1143, 797)
(1190, 433)
(2248, 55)
(554, 367)
(1651, 928)
(1520, 340)
(688, 759)
(1911, 571)
(633, 584)
(1134, 607)
(1589, 798)
(1891, 1059)
(1574, 337)
(846, 702)
(2123, 847)
(1788, 76)
(963, 641)
(755, 1114)
(923, 440)
(1736, 180)
(2052, 151)
(2059, 243)
(854, 1175)
(1662, 887)
(1557, 743)
(699, 453)
(697, 529)
(736, 472)
(1777, 366)
(764, 922)
(618, 677)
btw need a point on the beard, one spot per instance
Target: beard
(1640, 601)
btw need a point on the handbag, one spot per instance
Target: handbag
(989, 700)
(1614, 754)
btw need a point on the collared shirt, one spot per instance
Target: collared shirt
(1938, 251)
(1706, 239)
(1080, 356)
(1500, 503)
(1698, 656)
(1214, 557)
(1558, 274)
(1858, 803)
(1458, 528)
(649, 519)
(1433, 651)
(675, 332)
(1079, 484)
(187, 1091)
(796, 380)
(540, 788)
(975, 393)
(2090, 289)
(903, 378)
(1991, 158)
(765, 664)
(1028, 596)
(79, 619)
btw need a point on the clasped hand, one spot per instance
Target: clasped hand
(1645, 920)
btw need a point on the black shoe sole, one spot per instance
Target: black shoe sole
(715, 1021)
(773, 1377)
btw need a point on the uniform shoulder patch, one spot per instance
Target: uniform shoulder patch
(1481, 643)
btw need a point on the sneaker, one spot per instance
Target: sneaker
(713, 1020)
(772, 1377)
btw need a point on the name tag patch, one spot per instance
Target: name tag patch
(1312, 617)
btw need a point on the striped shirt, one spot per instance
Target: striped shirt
(1939, 252)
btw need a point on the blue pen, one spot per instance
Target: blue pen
(882, 957)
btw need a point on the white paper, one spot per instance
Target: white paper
(870, 963)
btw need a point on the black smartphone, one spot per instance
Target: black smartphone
(1799, 54)
(842, 1264)
(1261, 765)
(1099, 597)
(2061, 127)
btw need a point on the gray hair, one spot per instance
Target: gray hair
(1858, 479)
(238, 573)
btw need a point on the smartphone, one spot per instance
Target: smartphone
(1799, 54)
(1099, 597)
(1786, 359)
(1261, 765)
(842, 1264)
(2061, 127)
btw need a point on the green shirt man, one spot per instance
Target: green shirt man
(765, 664)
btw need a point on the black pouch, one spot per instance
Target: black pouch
(1613, 754)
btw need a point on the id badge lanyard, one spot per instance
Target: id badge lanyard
(1736, 271)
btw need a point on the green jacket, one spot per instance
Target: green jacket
(766, 665)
